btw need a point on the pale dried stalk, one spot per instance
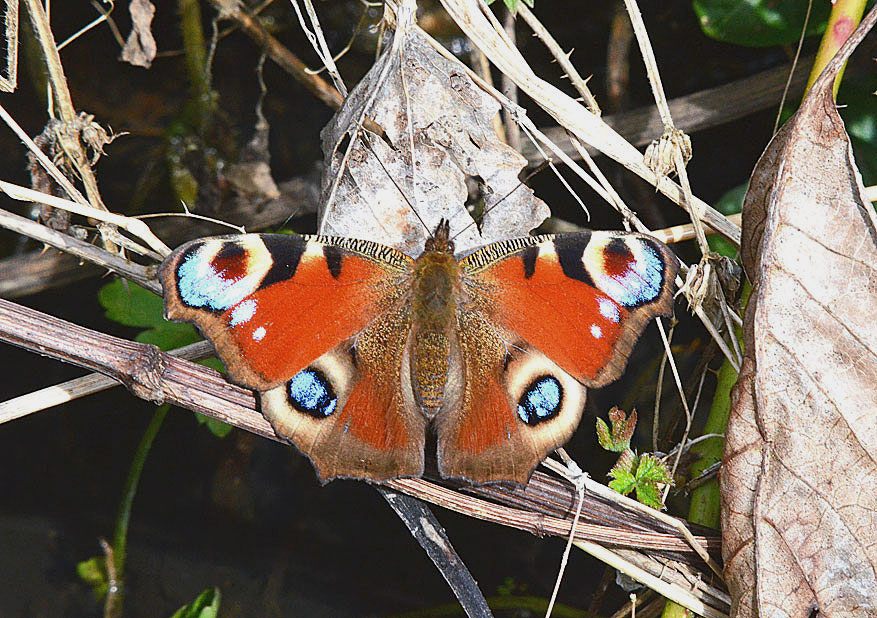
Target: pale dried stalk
(10, 80)
(674, 593)
(654, 75)
(63, 100)
(318, 41)
(134, 226)
(602, 490)
(681, 233)
(143, 275)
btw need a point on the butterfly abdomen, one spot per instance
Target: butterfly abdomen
(433, 310)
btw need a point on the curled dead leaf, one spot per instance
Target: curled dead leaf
(437, 134)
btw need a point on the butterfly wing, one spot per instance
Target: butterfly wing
(582, 299)
(314, 324)
(516, 407)
(540, 317)
(351, 411)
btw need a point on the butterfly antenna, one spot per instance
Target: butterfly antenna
(366, 135)
(538, 169)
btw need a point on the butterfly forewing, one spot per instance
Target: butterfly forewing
(582, 299)
(273, 303)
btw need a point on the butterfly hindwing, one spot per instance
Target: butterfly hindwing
(273, 303)
(516, 407)
(348, 410)
(582, 299)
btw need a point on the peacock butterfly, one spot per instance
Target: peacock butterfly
(356, 349)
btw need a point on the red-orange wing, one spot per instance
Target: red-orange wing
(582, 299)
(273, 303)
(539, 318)
(318, 325)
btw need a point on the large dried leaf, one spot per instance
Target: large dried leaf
(799, 477)
(416, 96)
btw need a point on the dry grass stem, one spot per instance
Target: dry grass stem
(477, 24)
(133, 226)
(142, 275)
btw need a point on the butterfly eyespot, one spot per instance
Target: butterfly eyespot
(632, 275)
(309, 391)
(541, 400)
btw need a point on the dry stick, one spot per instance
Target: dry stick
(318, 42)
(160, 377)
(601, 490)
(561, 56)
(153, 375)
(431, 536)
(512, 130)
(285, 59)
(699, 110)
(134, 226)
(654, 75)
(90, 384)
(143, 275)
(61, 94)
(674, 593)
(9, 81)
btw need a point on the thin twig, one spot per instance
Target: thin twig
(426, 529)
(474, 19)
(284, 58)
(142, 275)
(318, 42)
(67, 138)
(562, 57)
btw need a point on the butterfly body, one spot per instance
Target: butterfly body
(356, 350)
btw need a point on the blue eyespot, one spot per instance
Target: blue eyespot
(541, 401)
(632, 279)
(201, 285)
(310, 392)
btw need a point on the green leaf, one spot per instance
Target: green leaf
(94, 573)
(131, 305)
(205, 606)
(617, 439)
(623, 481)
(759, 23)
(217, 427)
(729, 204)
(643, 474)
(649, 474)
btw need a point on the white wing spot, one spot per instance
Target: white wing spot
(259, 333)
(596, 331)
(243, 312)
(608, 309)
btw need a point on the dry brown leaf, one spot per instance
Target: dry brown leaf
(140, 47)
(453, 140)
(799, 477)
